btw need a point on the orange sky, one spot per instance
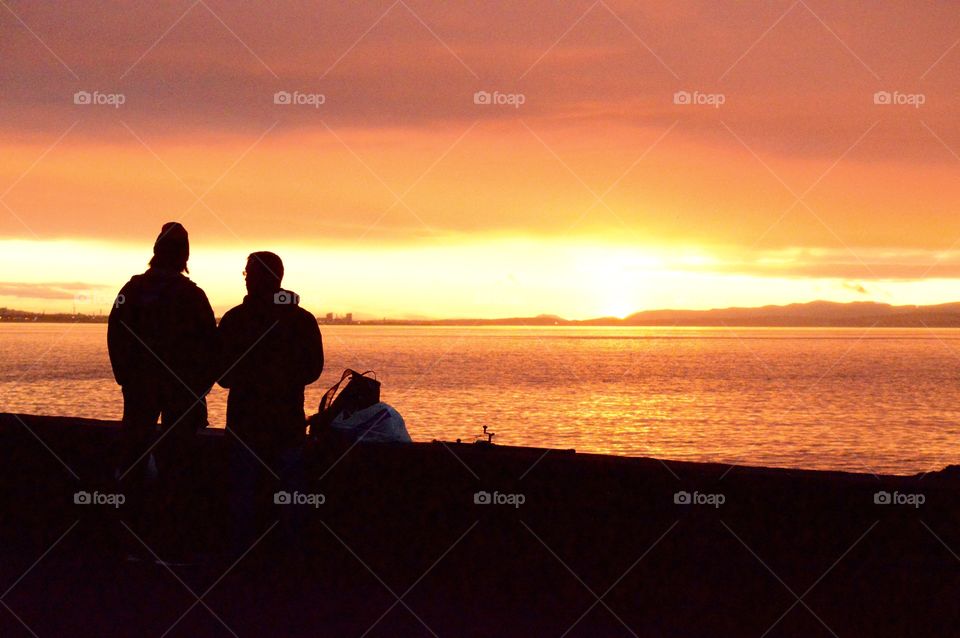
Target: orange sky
(399, 195)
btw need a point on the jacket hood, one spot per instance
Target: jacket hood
(156, 279)
(160, 272)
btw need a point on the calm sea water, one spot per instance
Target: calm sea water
(877, 400)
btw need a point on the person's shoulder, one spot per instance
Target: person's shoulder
(305, 315)
(186, 283)
(232, 314)
(135, 282)
(132, 290)
(188, 287)
(167, 280)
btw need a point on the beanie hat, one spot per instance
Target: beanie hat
(172, 241)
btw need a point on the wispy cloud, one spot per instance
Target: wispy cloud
(67, 290)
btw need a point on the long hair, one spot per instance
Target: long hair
(176, 264)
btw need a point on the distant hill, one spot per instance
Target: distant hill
(815, 313)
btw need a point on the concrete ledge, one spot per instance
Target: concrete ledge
(406, 515)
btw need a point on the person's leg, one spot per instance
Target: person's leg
(290, 468)
(243, 494)
(177, 463)
(141, 408)
(138, 431)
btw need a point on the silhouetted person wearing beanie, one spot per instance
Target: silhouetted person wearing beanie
(271, 349)
(163, 349)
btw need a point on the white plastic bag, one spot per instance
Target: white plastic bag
(380, 423)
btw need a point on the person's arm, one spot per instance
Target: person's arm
(227, 340)
(119, 339)
(208, 342)
(312, 343)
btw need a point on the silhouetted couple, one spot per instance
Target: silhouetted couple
(167, 352)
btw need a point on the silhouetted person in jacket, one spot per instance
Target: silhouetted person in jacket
(271, 350)
(162, 343)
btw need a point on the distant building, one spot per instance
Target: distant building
(332, 319)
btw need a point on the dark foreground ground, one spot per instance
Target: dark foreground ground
(399, 548)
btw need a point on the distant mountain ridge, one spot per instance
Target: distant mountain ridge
(814, 313)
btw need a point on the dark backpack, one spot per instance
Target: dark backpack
(354, 391)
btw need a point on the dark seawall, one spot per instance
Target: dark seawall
(598, 546)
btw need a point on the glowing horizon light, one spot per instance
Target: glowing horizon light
(489, 278)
